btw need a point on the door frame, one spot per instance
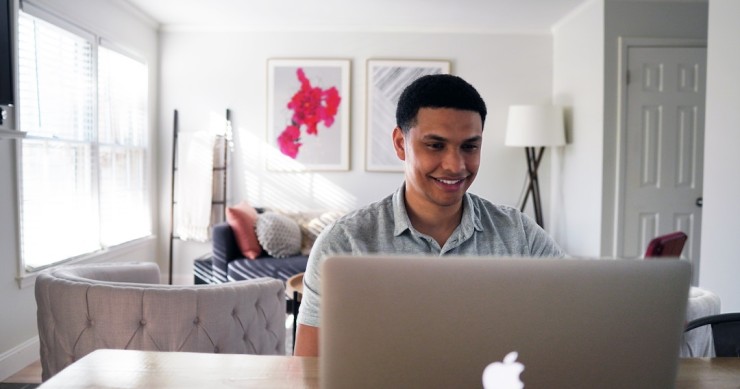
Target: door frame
(620, 165)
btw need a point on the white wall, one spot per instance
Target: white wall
(720, 256)
(578, 85)
(124, 27)
(207, 72)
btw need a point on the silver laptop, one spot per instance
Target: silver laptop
(441, 322)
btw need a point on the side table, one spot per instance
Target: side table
(294, 291)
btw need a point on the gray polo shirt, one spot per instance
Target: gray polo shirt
(384, 227)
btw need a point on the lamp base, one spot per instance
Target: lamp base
(533, 163)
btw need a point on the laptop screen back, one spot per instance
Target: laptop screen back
(440, 321)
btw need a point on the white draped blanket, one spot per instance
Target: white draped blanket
(194, 185)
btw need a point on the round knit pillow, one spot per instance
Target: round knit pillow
(279, 235)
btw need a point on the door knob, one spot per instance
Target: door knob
(699, 201)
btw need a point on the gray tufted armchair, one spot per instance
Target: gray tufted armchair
(122, 306)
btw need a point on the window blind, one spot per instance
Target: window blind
(83, 164)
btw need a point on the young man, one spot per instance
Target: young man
(438, 136)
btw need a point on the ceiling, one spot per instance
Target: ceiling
(495, 16)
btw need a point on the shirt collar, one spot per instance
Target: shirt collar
(400, 217)
(470, 218)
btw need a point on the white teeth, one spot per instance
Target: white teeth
(448, 182)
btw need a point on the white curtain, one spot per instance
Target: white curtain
(194, 185)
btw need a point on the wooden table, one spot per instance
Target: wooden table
(148, 369)
(714, 373)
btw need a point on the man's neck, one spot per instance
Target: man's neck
(436, 221)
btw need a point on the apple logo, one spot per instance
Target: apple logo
(504, 375)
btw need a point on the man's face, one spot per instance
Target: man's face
(442, 154)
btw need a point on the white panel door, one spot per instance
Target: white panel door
(665, 145)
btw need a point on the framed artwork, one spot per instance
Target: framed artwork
(386, 79)
(308, 114)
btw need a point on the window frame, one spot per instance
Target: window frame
(26, 277)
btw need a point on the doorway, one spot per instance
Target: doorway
(662, 144)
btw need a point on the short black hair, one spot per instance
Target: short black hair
(437, 91)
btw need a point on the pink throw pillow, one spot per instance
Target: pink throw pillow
(242, 218)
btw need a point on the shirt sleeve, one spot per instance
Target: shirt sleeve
(308, 313)
(329, 242)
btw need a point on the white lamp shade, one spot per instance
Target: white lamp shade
(535, 125)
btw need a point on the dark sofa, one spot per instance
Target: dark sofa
(228, 263)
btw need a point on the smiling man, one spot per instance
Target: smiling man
(438, 135)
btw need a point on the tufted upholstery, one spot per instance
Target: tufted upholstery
(122, 306)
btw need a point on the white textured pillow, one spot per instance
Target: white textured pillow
(279, 235)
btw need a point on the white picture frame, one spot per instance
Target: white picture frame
(313, 135)
(386, 79)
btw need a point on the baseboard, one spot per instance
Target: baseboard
(15, 359)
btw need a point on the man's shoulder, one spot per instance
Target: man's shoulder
(368, 215)
(485, 208)
(364, 227)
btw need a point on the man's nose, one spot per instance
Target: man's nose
(454, 161)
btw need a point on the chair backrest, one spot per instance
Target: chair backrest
(725, 332)
(668, 245)
(122, 306)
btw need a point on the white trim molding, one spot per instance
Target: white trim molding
(11, 134)
(18, 357)
(118, 253)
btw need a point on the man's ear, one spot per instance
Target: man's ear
(399, 143)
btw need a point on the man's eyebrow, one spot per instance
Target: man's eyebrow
(436, 138)
(439, 138)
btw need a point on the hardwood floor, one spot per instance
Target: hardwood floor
(31, 374)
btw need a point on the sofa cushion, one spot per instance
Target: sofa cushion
(313, 227)
(242, 219)
(264, 266)
(278, 234)
(311, 223)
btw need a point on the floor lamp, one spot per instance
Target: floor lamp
(534, 127)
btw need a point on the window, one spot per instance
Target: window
(84, 177)
(122, 141)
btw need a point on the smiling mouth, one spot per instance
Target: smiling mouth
(450, 182)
